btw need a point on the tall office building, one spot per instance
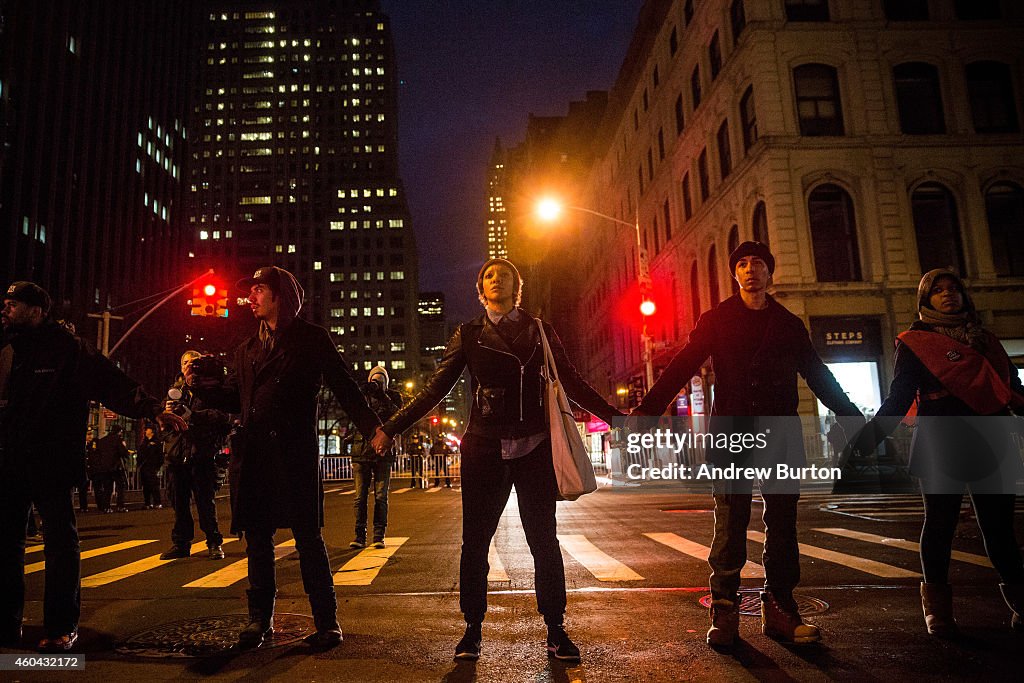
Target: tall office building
(497, 219)
(295, 163)
(92, 153)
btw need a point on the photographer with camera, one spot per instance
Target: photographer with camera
(370, 469)
(190, 457)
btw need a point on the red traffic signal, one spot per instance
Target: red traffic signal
(647, 308)
(434, 420)
(209, 298)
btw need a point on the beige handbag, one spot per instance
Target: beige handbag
(573, 470)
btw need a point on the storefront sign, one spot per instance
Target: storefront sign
(846, 339)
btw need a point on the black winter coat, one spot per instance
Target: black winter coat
(508, 391)
(761, 384)
(275, 465)
(54, 375)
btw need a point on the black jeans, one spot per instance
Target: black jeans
(196, 478)
(103, 488)
(781, 555)
(440, 464)
(995, 519)
(150, 486)
(375, 474)
(314, 565)
(83, 495)
(62, 594)
(121, 488)
(487, 482)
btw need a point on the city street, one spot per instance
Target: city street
(635, 576)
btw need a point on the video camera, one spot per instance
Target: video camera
(209, 367)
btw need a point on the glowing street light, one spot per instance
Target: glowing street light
(549, 209)
(647, 307)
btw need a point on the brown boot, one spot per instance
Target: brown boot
(937, 603)
(1013, 593)
(725, 623)
(781, 620)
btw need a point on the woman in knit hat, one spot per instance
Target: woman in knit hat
(956, 372)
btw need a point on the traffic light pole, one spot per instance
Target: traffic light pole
(103, 334)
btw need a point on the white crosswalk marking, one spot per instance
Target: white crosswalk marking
(603, 566)
(497, 571)
(362, 569)
(96, 552)
(700, 552)
(405, 490)
(236, 571)
(134, 568)
(347, 493)
(852, 561)
(436, 489)
(979, 560)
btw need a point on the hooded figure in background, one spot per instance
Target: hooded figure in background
(274, 382)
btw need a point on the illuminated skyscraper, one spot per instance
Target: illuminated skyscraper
(295, 163)
(497, 222)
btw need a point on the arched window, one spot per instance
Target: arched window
(990, 91)
(833, 234)
(1004, 206)
(748, 119)
(694, 293)
(919, 99)
(937, 228)
(713, 276)
(734, 241)
(818, 105)
(760, 224)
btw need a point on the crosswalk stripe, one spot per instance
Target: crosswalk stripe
(405, 490)
(852, 561)
(497, 571)
(96, 552)
(604, 567)
(133, 568)
(979, 560)
(436, 489)
(33, 548)
(347, 493)
(700, 552)
(362, 569)
(236, 571)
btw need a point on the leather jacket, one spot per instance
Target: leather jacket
(506, 382)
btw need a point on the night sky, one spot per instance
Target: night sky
(470, 71)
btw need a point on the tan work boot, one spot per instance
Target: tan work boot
(725, 623)
(937, 603)
(780, 620)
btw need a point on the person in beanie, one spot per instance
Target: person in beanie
(506, 444)
(954, 369)
(273, 384)
(758, 348)
(47, 378)
(368, 468)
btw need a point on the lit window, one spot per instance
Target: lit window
(398, 364)
(397, 275)
(291, 248)
(318, 265)
(278, 249)
(204, 235)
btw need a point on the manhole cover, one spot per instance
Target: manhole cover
(750, 603)
(207, 636)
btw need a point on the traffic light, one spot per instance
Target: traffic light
(647, 307)
(209, 298)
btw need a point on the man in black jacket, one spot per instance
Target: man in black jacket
(274, 385)
(150, 460)
(506, 444)
(47, 378)
(109, 464)
(192, 469)
(757, 348)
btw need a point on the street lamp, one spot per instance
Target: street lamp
(549, 209)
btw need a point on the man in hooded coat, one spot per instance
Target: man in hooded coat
(274, 385)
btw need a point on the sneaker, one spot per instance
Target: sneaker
(781, 621)
(378, 543)
(358, 543)
(62, 643)
(176, 552)
(159, 507)
(469, 647)
(123, 508)
(216, 552)
(560, 646)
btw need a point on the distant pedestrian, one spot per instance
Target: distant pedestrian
(150, 460)
(108, 467)
(47, 378)
(439, 452)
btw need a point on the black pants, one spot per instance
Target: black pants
(83, 495)
(313, 564)
(195, 479)
(150, 486)
(440, 463)
(121, 488)
(781, 555)
(995, 519)
(62, 592)
(103, 489)
(415, 470)
(487, 482)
